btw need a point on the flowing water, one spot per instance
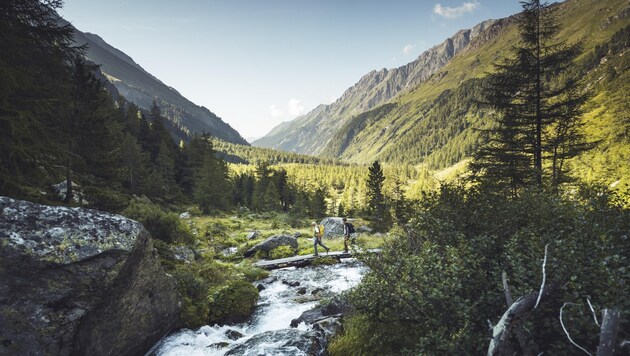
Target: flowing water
(288, 293)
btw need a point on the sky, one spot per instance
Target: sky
(257, 63)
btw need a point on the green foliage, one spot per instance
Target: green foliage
(539, 108)
(433, 287)
(376, 204)
(281, 252)
(161, 225)
(233, 302)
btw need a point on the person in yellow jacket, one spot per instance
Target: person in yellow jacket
(317, 238)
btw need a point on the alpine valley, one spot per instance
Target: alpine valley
(426, 112)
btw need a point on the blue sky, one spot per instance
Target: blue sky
(256, 63)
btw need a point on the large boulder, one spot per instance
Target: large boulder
(333, 226)
(272, 243)
(79, 281)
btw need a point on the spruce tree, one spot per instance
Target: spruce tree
(537, 107)
(377, 208)
(34, 77)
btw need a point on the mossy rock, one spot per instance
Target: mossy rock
(282, 252)
(325, 260)
(233, 303)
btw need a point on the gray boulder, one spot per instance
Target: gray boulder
(272, 243)
(333, 226)
(79, 281)
(183, 253)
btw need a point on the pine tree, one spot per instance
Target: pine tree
(34, 76)
(537, 107)
(377, 208)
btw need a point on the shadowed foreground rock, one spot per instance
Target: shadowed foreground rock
(79, 281)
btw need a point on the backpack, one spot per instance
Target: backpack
(321, 231)
(350, 228)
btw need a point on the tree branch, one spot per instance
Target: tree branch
(542, 285)
(566, 332)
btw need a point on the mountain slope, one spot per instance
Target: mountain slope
(436, 123)
(313, 131)
(140, 87)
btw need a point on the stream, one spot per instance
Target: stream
(286, 295)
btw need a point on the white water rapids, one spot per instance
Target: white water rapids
(281, 301)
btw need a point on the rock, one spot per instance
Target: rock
(183, 253)
(185, 215)
(302, 291)
(364, 229)
(292, 283)
(282, 342)
(252, 235)
(219, 345)
(260, 287)
(335, 307)
(333, 226)
(233, 334)
(78, 196)
(297, 234)
(79, 281)
(272, 243)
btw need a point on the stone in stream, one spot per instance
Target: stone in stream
(79, 281)
(233, 334)
(283, 342)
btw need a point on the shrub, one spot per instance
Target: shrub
(232, 303)
(161, 225)
(435, 285)
(281, 252)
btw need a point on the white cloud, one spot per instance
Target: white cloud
(295, 107)
(454, 12)
(275, 112)
(408, 48)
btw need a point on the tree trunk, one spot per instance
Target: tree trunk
(511, 321)
(609, 330)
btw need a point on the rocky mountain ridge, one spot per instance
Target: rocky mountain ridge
(141, 87)
(311, 133)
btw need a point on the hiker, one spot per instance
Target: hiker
(317, 237)
(348, 230)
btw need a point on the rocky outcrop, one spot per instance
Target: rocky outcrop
(311, 133)
(79, 281)
(273, 243)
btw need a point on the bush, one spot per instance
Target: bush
(281, 252)
(232, 303)
(434, 286)
(161, 225)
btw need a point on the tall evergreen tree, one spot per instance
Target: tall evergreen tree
(538, 108)
(34, 77)
(377, 208)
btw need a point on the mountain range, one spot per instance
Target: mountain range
(138, 86)
(425, 112)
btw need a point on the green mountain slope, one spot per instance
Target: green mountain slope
(140, 87)
(436, 122)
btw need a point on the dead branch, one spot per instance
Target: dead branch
(512, 318)
(567, 332)
(542, 285)
(608, 332)
(520, 335)
(592, 311)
